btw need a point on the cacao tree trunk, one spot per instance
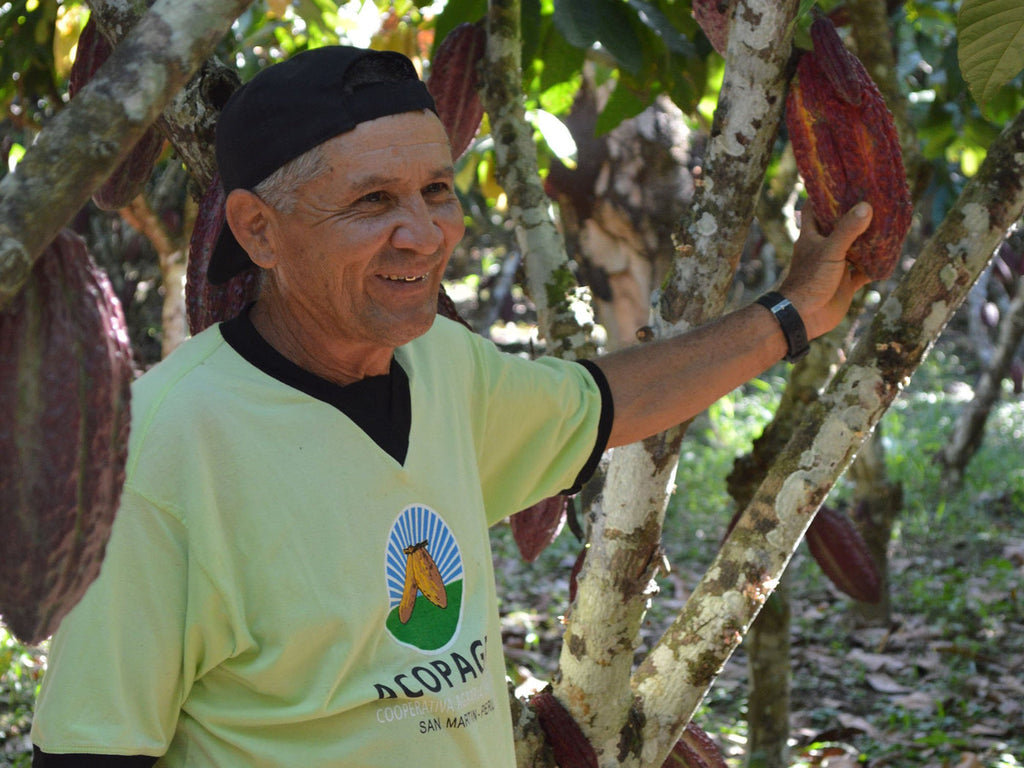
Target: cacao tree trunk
(626, 522)
(88, 138)
(550, 282)
(768, 710)
(621, 203)
(877, 503)
(768, 660)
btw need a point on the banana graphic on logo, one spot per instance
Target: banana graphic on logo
(421, 575)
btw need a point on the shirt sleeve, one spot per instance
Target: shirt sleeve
(115, 676)
(546, 425)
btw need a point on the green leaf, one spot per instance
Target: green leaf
(608, 22)
(577, 22)
(990, 44)
(653, 17)
(561, 62)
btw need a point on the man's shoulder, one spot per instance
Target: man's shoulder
(183, 361)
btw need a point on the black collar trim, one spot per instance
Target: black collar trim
(381, 406)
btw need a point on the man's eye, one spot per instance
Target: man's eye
(373, 197)
(438, 187)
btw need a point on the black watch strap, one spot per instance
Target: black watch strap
(791, 323)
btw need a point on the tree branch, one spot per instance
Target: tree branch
(595, 663)
(73, 155)
(550, 282)
(676, 675)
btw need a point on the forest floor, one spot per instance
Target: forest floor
(941, 686)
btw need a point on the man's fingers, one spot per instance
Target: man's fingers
(852, 225)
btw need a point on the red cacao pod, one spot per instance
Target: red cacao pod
(130, 176)
(534, 528)
(843, 555)
(847, 149)
(207, 304)
(91, 51)
(65, 375)
(454, 83)
(570, 747)
(695, 749)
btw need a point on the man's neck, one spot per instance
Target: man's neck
(331, 359)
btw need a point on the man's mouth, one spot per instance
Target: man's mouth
(405, 278)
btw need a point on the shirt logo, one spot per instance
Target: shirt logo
(423, 569)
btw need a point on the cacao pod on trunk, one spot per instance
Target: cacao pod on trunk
(847, 149)
(534, 528)
(570, 747)
(207, 304)
(130, 176)
(65, 376)
(843, 555)
(695, 749)
(454, 83)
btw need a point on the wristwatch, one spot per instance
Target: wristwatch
(792, 325)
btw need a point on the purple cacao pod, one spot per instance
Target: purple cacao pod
(65, 375)
(205, 303)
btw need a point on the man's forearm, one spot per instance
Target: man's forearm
(659, 385)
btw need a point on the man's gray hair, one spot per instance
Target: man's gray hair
(279, 188)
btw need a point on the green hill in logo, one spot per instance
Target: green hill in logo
(429, 628)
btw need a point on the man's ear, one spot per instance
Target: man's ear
(248, 216)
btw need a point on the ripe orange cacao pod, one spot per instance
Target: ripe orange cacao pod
(534, 528)
(65, 376)
(843, 555)
(570, 747)
(130, 176)
(207, 304)
(847, 149)
(695, 749)
(454, 83)
(714, 18)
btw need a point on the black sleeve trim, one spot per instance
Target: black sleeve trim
(42, 759)
(604, 426)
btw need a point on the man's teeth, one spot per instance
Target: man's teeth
(405, 278)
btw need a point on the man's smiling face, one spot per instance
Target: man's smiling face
(360, 258)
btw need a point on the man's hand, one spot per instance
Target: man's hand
(821, 282)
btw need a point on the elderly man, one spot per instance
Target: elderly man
(299, 574)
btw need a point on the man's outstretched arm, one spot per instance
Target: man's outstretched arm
(659, 385)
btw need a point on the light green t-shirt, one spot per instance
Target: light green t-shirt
(279, 591)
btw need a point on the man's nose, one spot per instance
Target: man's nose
(418, 230)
